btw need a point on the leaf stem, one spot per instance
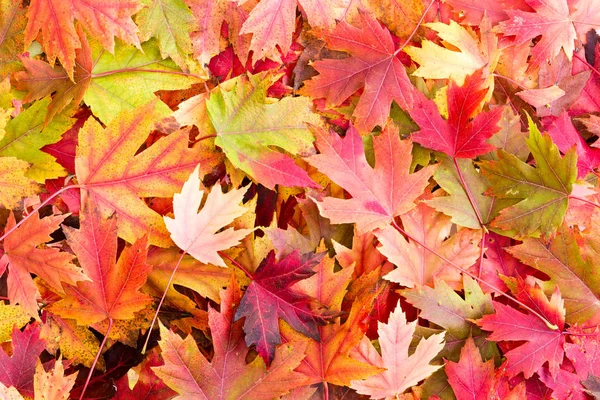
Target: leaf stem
(204, 138)
(237, 264)
(500, 292)
(476, 210)
(42, 204)
(162, 301)
(92, 368)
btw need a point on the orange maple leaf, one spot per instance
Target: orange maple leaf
(114, 290)
(116, 178)
(103, 19)
(24, 255)
(373, 65)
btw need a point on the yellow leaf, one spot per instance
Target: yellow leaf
(463, 53)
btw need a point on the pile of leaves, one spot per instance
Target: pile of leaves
(312, 199)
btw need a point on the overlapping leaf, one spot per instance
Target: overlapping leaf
(328, 360)
(116, 178)
(403, 371)
(459, 136)
(543, 342)
(24, 258)
(270, 297)
(540, 192)
(228, 376)
(114, 288)
(417, 265)
(559, 22)
(378, 194)
(103, 19)
(196, 232)
(248, 124)
(372, 64)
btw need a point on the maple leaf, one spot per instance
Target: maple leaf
(75, 342)
(436, 62)
(18, 370)
(103, 19)
(541, 192)
(12, 24)
(472, 12)
(27, 133)
(558, 88)
(565, 136)
(148, 385)
(270, 297)
(40, 79)
(113, 292)
(115, 177)
(209, 16)
(403, 371)
(248, 123)
(444, 307)
(108, 83)
(328, 360)
(543, 342)
(470, 377)
(11, 315)
(207, 280)
(24, 257)
(562, 261)
(457, 204)
(170, 22)
(14, 185)
(228, 377)
(53, 385)
(272, 23)
(372, 64)
(378, 194)
(459, 136)
(559, 22)
(509, 138)
(417, 265)
(196, 232)
(400, 17)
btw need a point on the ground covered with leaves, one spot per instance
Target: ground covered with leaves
(311, 199)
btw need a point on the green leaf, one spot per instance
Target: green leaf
(562, 261)
(542, 192)
(129, 78)
(170, 22)
(248, 123)
(456, 204)
(26, 135)
(444, 307)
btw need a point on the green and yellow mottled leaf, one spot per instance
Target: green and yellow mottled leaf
(542, 192)
(249, 124)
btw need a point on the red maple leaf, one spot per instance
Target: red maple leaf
(372, 64)
(544, 341)
(459, 136)
(17, 371)
(470, 377)
(270, 297)
(559, 22)
(565, 136)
